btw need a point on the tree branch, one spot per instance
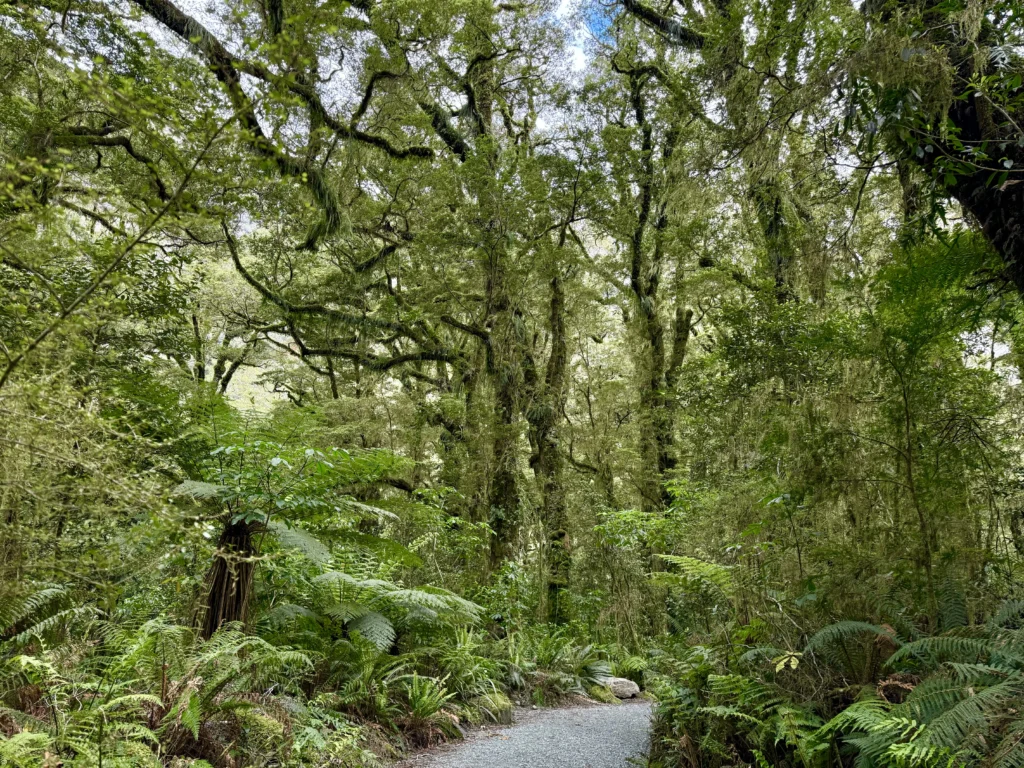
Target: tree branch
(670, 29)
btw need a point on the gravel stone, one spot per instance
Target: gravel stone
(603, 736)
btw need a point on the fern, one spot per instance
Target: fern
(727, 712)
(283, 614)
(914, 754)
(345, 611)
(377, 608)
(14, 609)
(198, 489)
(386, 549)
(756, 696)
(300, 540)
(986, 673)
(838, 633)
(956, 647)
(1009, 753)
(935, 725)
(296, 538)
(972, 713)
(376, 628)
(1010, 615)
(24, 750)
(934, 696)
(952, 605)
(691, 569)
(59, 620)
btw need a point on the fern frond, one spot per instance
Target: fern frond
(387, 549)
(1009, 753)
(14, 609)
(345, 611)
(951, 728)
(376, 628)
(842, 630)
(952, 605)
(975, 673)
(1010, 614)
(200, 490)
(932, 697)
(340, 578)
(284, 613)
(293, 537)
(954, 647)
(61, 618)
(862, 715)
(24, 750)
(750, 694)
(732, 713)
(718, 577)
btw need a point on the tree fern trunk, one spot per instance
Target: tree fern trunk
(229, 580)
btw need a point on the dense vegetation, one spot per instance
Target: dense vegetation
(370, 364)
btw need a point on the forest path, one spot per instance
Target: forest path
(600, 736)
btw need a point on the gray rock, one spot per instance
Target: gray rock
(623, 688)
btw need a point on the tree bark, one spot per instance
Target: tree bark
(545, 415)
(503, 514)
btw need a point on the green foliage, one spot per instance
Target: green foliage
(709, 575)
(365, 367)
(550, 664)
(425, 720)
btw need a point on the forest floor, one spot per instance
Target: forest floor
(592, 736)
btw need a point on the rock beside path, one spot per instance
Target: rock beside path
(599, 736)
(622, 687)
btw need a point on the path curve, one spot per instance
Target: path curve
(599, 736)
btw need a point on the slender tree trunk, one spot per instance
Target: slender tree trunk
(505, 345)
(548, 463)
(199, 365)
(922, 516)
(504, 498)
(644, 280)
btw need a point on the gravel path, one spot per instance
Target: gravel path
(600, 736)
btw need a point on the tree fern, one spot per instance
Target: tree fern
(296, 538)
(386, 549)
(936, 725)
(284, 614)
(345, 610)
(985, 673)
(365, 604)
